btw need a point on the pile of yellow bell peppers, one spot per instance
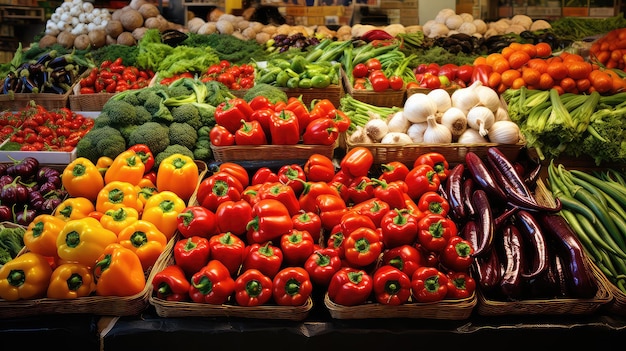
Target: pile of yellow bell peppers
(105, 237)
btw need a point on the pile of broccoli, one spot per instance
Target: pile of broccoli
(173, 118)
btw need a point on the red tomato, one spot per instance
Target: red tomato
(379, 83)
(226, 78)
(396, 82)
(431, 81)
(373, 64)
(360, 70)
(464, 72)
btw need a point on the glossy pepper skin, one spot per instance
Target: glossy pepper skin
(461, 285)
(41, 234)
(360, 189)
(308, 197)
(145, 239)
(145, 155)
(283, 193)
(320, 131)
(236, 170)
(434, 232)
(266, 257)
(291, 286)
(118, 272)
(264, 175)
(391, 286)
(81, 178)
(458, 255)
(253, 288)
(399, 227)
(83, 240)
(233, 216)
(437, 161)
(429, 284)
(250, 133)
(309, 221)
(179, 174)
(331, 209)
(192, 253)
(373, 208)
(127, 167)
(71, 280)
(228, 249)
(319, 168)
(229, 113)
(212, 284)
(357, 162)
(163, 209)
(270, 220)
(117, 219)
(217, 188)
(391, 193)
(350, 287)
(297, 246)
(27, 276)
(220, 136)
(420, 179)
(196, 221)
(292, 175)
(392, 171)
(322, 264)
(433, 202)
(405, 257)
(284, 128)
(116, 194)
(74, 208)
(362, 247)
(171, 284)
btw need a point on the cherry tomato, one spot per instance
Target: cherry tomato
(396, 82)
(373, 64)
(360, 70)
(379, 83)
(226, 78)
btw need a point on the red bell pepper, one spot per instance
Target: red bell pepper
(300, 110)
(341, 119)
(457, 255)
(220, 136)
(433, 202)
(437, 161)
(294, 176)
(251, 194)
(434, 232)
(354, 220)
(350, 287)
(171, 284)
(250, 133)
(264, 117)
(236, 170)
(212, 284)
(283, 193)
(309, 221)
(392, 171)
(196, 221)
(228, 249)
(410, 205)
(399, 227)
(420, 179)
(319, 168)
(260, 102)
(460, 285)
(191, 254)
(322, 264)
(297, 246)
(360, 189)
(336, 241)
(230, 113)
(373, 208)
(391, 193)
(313, 189)
(253, 288)
(320, 131)
(233, 216)
(270, 220)
(292, 286)
(357, 161)
(429, 284)
(481, 72)
(405, 257)
(266, 257)
(322, 108)
(342, 177)
(264, 175)
(146, 156)
(331, 208)
(284, 128)
(391, 286)
(362, 247)
(218, 188)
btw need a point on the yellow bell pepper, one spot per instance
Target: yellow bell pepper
(81, 178)
(178, 173)
(126, 167)
(145, 239)
(41, 234)
(83, 241)
(162, 209)
(103, 164)
(74, 208)
(146, 190)
(25, 277)
(119, 272)
(71, 280)
(117, 194)
(117, 219)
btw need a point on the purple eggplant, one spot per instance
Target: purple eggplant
(27, 168)
(484, 221)
(5, 179)
(50, 204)
(47, 187)
(512, 282)
(25, 215)
(533, 235)
(35, 200)
(6, 215)
(14, 193)
(49, 175)
(454, 192)
(483, 176)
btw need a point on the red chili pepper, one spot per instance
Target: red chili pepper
(405, 257)
(437, 161)
(350, 287)
(191, 254)
(292, 286)
(460, 285)
(270, 220)
(391, 286)
(284, 128)
(433, 202)
(233, 216)
(429, 284)
(362, 247)
(319, 168)
(399, 227)
(309, 221)
(171, 284)
(434, 231)
(253, 288)
(457, 255)
(320, 131)
(266, 257)
(321, 265)
(264, 175)
(420, 179)
(228, 249)
(212, 284)
(196, 221)
(297, 246)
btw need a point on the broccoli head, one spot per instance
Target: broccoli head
(143, 115)
(130, 96)
(153, 134)
(102, 120)
(207, 113)
(183, 134)
(105, 141)
(120, 112)
(202, 153)
(187, 113)
(179, 90)
(169, 151)
(155, 104)
(272, 93)
(127, 130)
(5, 256)
(217, 93)
(12, 239)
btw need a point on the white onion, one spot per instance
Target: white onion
(416, 132)
(455, 120)
(504, 132)
(436, 133)
(441, 98)
(471, 136)
(418, 107)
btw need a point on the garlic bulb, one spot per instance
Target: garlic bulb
(418, 107)
(398, 123)
(455, 120)
(441, 98)
(436, 133)
(480, 118)
(416, 132)
(466, 98)
(396, 138)
(504, 132)
(376, 128)
(502, 114)
(359, 136)
(471, 136)
(488, 98)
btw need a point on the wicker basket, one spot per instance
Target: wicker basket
(387, 98)
(49, 101)
(270, 152)
(618, 304)
(88, 102)
(98, 305)
(454, 152)
(445, 309)
(194, 309)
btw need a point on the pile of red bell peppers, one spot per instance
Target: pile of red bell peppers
(273, 236)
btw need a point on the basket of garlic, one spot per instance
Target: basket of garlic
(451, 123)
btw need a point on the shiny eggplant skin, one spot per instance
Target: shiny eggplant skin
(532, 233)
(454, 191)
(512, 282)
(580, 278)
(488, 270)
(484, 221)
(500, 163)
(483, 176)
(468, 190)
